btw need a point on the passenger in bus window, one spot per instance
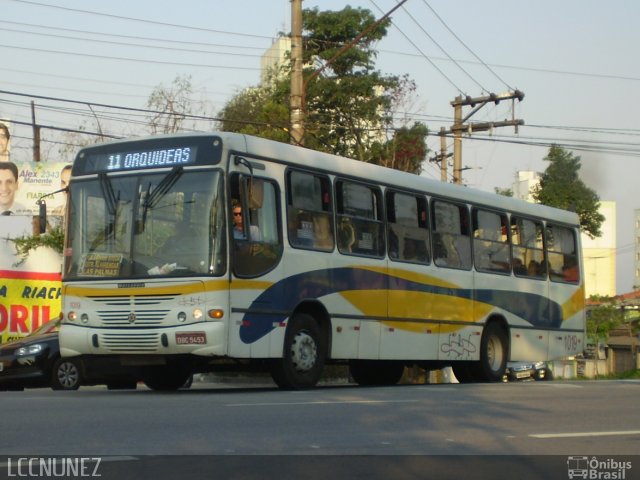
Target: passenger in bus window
(346, 236)
(323, 238)
(570, 269)
(518, 267)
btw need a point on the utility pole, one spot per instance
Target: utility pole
(459, 126)
(297, 85)
(443, 156)
(36, 134)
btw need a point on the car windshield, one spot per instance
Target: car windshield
(146, 225)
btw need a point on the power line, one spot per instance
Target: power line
(443, 50)
(423, 55)
(137, 45)
(137, 60)
(173, 41)
(465, 45)
(141, 20)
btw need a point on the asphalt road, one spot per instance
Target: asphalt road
(515, 429)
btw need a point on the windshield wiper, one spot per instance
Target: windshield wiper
(152, 199)
(109, 195)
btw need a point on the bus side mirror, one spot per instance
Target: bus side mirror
(42, 216)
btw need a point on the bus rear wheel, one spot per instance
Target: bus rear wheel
(376, 372)
(494, 352)
(303, 355)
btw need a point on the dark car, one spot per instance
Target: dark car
(35, 361)
(527, 371)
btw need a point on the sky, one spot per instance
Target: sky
(575, 61)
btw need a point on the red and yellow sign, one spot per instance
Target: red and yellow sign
(27, 300)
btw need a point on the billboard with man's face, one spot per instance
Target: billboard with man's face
(30, 288)
(5, 141)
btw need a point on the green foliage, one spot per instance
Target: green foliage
(348, 107)
(603, 318)
(53, 239)
(560, 186)
(405, 151)
(506, 192)
(261, 111)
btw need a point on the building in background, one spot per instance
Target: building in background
(274, 58)
(599, 254)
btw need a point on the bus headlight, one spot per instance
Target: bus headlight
(216, 313)
(72, 316)
(182, 317)
(84, 318)
(197, 314)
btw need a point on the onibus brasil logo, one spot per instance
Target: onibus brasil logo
(593, 468)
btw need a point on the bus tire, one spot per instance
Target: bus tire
(303, 355)
(165, 379)
(494, 352)
(65, 374)
(375, 372)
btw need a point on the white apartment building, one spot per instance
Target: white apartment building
(274, 58)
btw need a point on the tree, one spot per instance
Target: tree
(172, 106)
(603, 318)
(262, 112)
(348, 106)
(506, 192)
(560, 186)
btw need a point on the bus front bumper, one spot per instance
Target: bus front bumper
(203, 339)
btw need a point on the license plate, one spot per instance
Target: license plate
(523, 374)
(191, 338)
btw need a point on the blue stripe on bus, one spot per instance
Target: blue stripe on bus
(285, 295)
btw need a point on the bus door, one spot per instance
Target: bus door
(412, 329)
(256, 289)
(528, 292)
(455, 309)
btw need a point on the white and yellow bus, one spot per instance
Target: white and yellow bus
(204, 252)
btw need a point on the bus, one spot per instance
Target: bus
(221, 251)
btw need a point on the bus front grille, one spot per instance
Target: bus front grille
(140, 318)
(130, 342)
(133, 310)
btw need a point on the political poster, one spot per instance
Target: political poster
(30, 288)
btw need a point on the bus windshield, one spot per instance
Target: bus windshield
(170, 223)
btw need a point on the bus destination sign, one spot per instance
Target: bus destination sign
(166, 157)
(138, 159)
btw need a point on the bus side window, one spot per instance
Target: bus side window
(451, 240)
(490, 244)
(562, 254)
(528, 248)
(407, 227)
(309, 211)
(360, 220)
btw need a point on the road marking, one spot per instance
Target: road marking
(319, 402)
(585, 434)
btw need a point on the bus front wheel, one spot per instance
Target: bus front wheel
(303, 355)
